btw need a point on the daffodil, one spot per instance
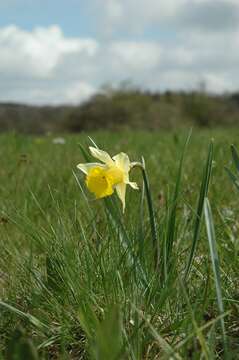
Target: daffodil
(102, 178)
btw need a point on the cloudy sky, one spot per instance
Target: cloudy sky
(63, 51)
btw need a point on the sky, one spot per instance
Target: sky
(64, 51)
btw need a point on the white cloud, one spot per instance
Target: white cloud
(31, 65)
(45, 66)
(37, 53)
(137, 55)
(138, 15)
(132, 15)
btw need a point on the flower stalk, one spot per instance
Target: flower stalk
(151, 211)
(112, 173)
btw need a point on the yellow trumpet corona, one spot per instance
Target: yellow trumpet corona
(108, 175)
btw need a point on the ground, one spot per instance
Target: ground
(78, 278)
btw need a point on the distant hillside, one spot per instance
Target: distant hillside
(32, 119)
(124, 109)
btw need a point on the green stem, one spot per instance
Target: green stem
(151, 212)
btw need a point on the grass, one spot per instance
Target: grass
(79, 280)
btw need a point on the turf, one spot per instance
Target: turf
(81, 280)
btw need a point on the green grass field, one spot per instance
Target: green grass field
(78, 279)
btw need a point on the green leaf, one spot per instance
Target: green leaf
(84, 153)
(215, 265)
(151, 215)
(54, 269)
(235, 157)
(20, 347)
(234, 179)
(203, 193)
(171, 226)
(32, 319)
(108, 339)
(115, 218)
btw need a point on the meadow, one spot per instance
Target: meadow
(78, 278)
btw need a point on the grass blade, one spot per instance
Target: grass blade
(171, 226)
(32, 319)
(197, 330)
(203, 194)
(235, 157)
(114, 216)
(233, 177)
(151, 215)
(215, 266)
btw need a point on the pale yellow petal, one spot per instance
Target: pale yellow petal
(135, 163)
(101, 155)
(122, 161)
(121, 191)
(85, 168)
(133, 185)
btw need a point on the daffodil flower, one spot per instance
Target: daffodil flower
(108, 175)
